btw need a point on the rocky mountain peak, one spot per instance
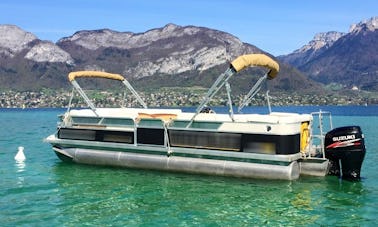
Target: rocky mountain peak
(348, 60)
(104, 38)
(13, 40)
(98, 38)
(321, 40)
(171, 49)
(366, 25)
(48, 52)
(169, 27)
(320, 43)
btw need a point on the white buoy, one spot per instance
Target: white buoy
(20, 157)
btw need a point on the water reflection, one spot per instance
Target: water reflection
(150, 197)
(95, 194)
(20, 166)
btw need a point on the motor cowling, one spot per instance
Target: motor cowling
(345, 149)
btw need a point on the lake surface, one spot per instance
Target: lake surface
(44, 191)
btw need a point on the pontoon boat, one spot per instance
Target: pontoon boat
(270, 146)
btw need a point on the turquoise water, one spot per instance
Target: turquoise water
(43, 191)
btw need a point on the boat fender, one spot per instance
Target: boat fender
(305, 135)
(20, 156)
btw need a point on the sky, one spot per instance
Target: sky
(275, 26)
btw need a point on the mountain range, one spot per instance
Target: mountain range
(184, 56)
(341, 59)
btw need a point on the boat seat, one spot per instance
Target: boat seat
(165, 117)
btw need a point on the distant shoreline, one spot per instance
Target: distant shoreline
(60, 99)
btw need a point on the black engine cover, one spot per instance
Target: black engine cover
(345, 148)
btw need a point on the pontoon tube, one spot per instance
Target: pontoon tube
(183, 164)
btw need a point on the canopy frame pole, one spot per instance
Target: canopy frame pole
(231, 111)
(136, 95)
(105, 75)
(218, 84)
(71, 98)
(85, 97)
(268, 101)
(256, 88)
(166, 137)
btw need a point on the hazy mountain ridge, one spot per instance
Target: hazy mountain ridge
(349, 60)
(320, 43)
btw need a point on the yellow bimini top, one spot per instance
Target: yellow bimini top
(98, 74)
(263, 60)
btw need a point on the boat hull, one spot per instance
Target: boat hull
(172, 163)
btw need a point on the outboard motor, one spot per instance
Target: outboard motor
(345, 149)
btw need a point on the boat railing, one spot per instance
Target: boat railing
(96, 121)
(322, 123)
